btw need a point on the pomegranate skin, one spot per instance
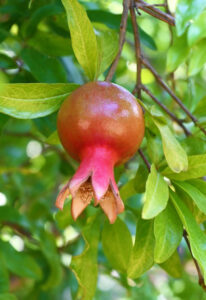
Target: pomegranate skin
(101, 125)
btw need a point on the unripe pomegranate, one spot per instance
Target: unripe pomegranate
(101, 125)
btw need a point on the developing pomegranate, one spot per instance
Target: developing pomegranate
(101, 125)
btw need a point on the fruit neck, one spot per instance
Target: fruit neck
(99, 155)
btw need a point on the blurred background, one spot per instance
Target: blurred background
(37, 242)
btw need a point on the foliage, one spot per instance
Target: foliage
(47, 49)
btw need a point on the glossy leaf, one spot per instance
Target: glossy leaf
(197, 237)
(173, 265)
(108, 44)
(196, 30)
(49, 250)
(196, 169)
(186, 11)
(19, 263)
(117, 244)
(197, 58)
(142, 258)
(200, 108)
(83, 38)
(197, 196)
(178, 53)
(156, 195)
(7, 62)
(84, 265)
(33, 100)
(113, 21)
(51, 44)
(174, 153)
(52, 71)
(4, 278)
(168, 234)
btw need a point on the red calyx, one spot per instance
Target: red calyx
(101, 125)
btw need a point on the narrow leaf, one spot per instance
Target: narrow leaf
(186, 11)
(197, 58)
(4, 278)
(196, 30)
(83, 38)
(197, 237)
(108, 46)
(168, 234)
(33, 100)
(117, 244)
(196, 169)
(19, 263)
(173, 265)
(174, 153)
(142, 258)
(53, 70)
(84, 265)
(156, 195)
(198, 197)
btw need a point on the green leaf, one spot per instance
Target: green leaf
(33, 100)
(7, 62)
(19, 263)
(53, 139)
(186, 11)
(108, 44)
(178, 53)
(128, 190)
(198, 197)
(9, 214)
(84, 265)
(4, 278)
(197, 237)
(201, 108)
(7, 296)
(196, 169)
(141, 179)
(199, 184)
(197, 58)
(83, 38)
(142, 258)
(53, 70)
(117, 244)
(156, 195)
(168, 234)
(49, 249)
(173, 265)
(174, 153)
(41, 13)
(51, 44)
(113, 21)
(196, 30)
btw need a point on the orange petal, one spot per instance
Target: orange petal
(63, 194)
(109, 205)
(81, 199)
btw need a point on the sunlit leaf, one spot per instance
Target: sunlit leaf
(168, 234)
(156, 195)
(33, 100)
(117, 244)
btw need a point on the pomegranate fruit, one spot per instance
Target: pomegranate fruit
(101, 125)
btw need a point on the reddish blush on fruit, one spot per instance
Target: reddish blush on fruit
(101, 125)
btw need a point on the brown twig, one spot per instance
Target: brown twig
(122, 34)
(200, 276)
(172, 116)
(171, 93)
(144, 159)
(137, 48)
(155, 12)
